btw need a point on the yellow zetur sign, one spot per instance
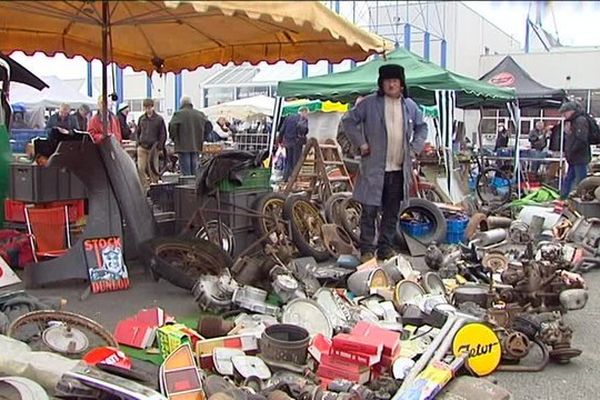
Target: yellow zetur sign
(483, 346)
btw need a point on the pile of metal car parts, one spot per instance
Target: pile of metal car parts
(521, 277)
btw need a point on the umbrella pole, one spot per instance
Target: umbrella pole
(105, 22)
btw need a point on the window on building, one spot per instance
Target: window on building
(532, 112)
(490, 113)
(595, 103)
(218, 95)
(136, 105)
(251, 91)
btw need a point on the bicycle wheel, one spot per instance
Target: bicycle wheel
(493, 186)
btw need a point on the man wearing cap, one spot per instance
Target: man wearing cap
(577, 146)
(151, 131)
(122, 112)
(186, 129)
(392, 132)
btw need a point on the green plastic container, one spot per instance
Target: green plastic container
(255, 178)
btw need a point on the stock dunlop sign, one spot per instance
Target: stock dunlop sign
(483, 346)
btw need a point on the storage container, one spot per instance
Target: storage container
(254, 178)
(416, 228)
(37, 184)
(163, 196)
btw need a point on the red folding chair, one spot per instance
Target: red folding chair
(48, 231)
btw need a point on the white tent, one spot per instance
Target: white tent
(242, 108)
(51, 97)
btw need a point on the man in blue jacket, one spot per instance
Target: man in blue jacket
(292, 135)
(394, 131)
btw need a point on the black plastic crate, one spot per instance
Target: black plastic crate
(36, 184)
(163, 196)
(186, 203)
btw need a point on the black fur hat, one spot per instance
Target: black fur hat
(392, 71)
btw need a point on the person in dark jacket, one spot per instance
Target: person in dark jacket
(292, 135)
(502, 138)
(388, 129)
(82, 116)
(577, 146)
(186, 129)
(60, 125)
(538, 141)
(151, 131)
(122, 112)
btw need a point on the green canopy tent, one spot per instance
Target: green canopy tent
(422, 77)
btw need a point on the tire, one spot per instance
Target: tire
(487, 192)
(332, 207)
(587, 186)
(305, 225)
(431, 212)
(181, 261)
(477, 223)
(270, 204)
(350, 211)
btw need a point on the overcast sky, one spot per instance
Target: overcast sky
(577, 24)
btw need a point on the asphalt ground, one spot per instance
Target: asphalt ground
(578, 380)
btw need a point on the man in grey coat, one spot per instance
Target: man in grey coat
(186, 129)
(392, 132)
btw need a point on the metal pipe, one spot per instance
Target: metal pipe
(489, 237)
(425, 357)
(461, 320)
(105, 22)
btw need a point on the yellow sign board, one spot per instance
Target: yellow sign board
(483, 346)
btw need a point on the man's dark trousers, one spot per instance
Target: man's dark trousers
(393, 191)
(292, 155)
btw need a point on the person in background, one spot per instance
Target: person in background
(122, 112)
(538, 140)
(222, 128)
(18, 121)
(151, 131)
(502, 138)
(577, 146)
(60, 123)
(292, 135)
(95, 125)
(388, 129)
(81, 116)
(186, 129)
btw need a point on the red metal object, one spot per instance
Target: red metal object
(14, 210)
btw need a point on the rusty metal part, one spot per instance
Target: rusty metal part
(211, 326)
(494, 262)
(31, 326)
(557, 334)
(337, 240)
(477, 223)
(519, 232)
(213, 293)
(529, 368)
(515, 345)
(498, 222)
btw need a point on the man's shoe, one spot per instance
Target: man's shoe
(366, 256)
(384, 254)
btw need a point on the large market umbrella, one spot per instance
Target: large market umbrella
(20, 74)
(423, 78)
(171, 36)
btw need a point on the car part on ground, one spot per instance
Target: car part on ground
(60, 331)
(309, 315)
(337, 241)
(350, 211)
(493, 187)
(182, 261)
(285, 345)
(427, 211)
(306, 223)
(332, 207)
(254, 299)
(586, 188)
(272, 224)
(214, 293)
(477, 223)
